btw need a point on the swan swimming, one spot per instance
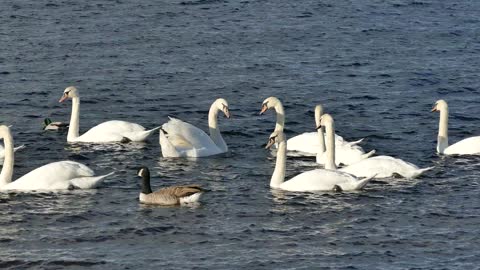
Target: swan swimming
(328, 179)
(181, 139)
(106, 132)
(468, 146)
(311, 144)
(61, 175)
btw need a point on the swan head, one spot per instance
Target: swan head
(440, 105)
(276, 137)
(143, 171)
(69, 92)
(4, 130)
(326, 120)
(269, 103)
(318, 114)
(222, 105)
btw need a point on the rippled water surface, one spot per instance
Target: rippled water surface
(377, 66)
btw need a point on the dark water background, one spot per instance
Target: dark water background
(377, 66)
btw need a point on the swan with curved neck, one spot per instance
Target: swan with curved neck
(174, 195)
(312, 143)
(468, 146)
(106, 132)
(181, 139)
(59, 175)
(276, 104)
(327, 179)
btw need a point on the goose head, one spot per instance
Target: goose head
(269, 103)
(145, 174)
(440, 105)
(276, 137)
(69, 92)
(222, 105)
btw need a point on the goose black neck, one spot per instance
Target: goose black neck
(146, 189)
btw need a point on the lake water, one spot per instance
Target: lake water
(376, 66)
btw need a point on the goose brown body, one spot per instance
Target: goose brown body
(171, 195)
(174, 195)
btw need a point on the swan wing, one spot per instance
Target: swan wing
(307, 143)
(195, 137)
(322, 180)
(88, 182)
(111, 131)
(384, 166)
(468, 146)
(56, 175)
(346, 155)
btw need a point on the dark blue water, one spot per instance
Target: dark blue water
(376, 66)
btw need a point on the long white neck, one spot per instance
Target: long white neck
(330, 162)
(280, 116)
(7, 170)
(320, 132)
(442, 139)
(73, 129)
(278, 176)
(214, 130)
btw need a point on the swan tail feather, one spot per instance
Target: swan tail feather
(89, 182)
(355, 142)
(142, 135)
(369, 154)
(362, 183)
(19, 147)
(421, 171)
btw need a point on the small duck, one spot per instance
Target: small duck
(174, 195)
(49, 125)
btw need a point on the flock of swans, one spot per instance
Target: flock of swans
(181, 139)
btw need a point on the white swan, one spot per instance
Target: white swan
(106, 132)
(384, 166)
(181, 139)
(311, 143)
(314, 180)
(468, 146)
(59, 175)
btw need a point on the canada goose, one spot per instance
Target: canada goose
(175, 195)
